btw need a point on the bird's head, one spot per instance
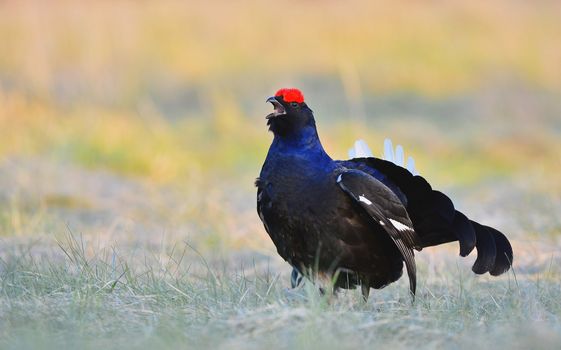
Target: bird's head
(290, 114)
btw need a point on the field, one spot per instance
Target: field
(131, 134)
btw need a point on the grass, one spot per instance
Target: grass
(83, 297)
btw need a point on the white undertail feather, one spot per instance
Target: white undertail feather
(399, 156)
(361, 150)
(411, 165)
(388, 151)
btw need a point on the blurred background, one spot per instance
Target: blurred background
(134, 123)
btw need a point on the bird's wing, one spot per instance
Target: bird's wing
(433, 214)
(387, 211)
(435, 218)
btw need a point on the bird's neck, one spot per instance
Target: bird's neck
(303, 142)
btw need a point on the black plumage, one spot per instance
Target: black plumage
(355, 222)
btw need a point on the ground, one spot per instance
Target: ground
(102, 270)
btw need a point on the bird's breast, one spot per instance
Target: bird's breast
(295, 186)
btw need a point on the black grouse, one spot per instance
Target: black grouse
(355, 222)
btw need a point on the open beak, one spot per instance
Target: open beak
(278, 108)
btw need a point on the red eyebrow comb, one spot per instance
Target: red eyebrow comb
(291, 95)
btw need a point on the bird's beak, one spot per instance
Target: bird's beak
(279, 108)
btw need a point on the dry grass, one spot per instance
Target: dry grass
(86, 297)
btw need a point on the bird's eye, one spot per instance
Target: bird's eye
(294, 104)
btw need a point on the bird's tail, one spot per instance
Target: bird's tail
(494, 251)
(434, 217)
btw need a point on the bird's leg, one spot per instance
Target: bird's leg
(325, 282)
(330, 293)
(295, 278)
(327, 286)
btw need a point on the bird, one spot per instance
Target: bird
(356, 222)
